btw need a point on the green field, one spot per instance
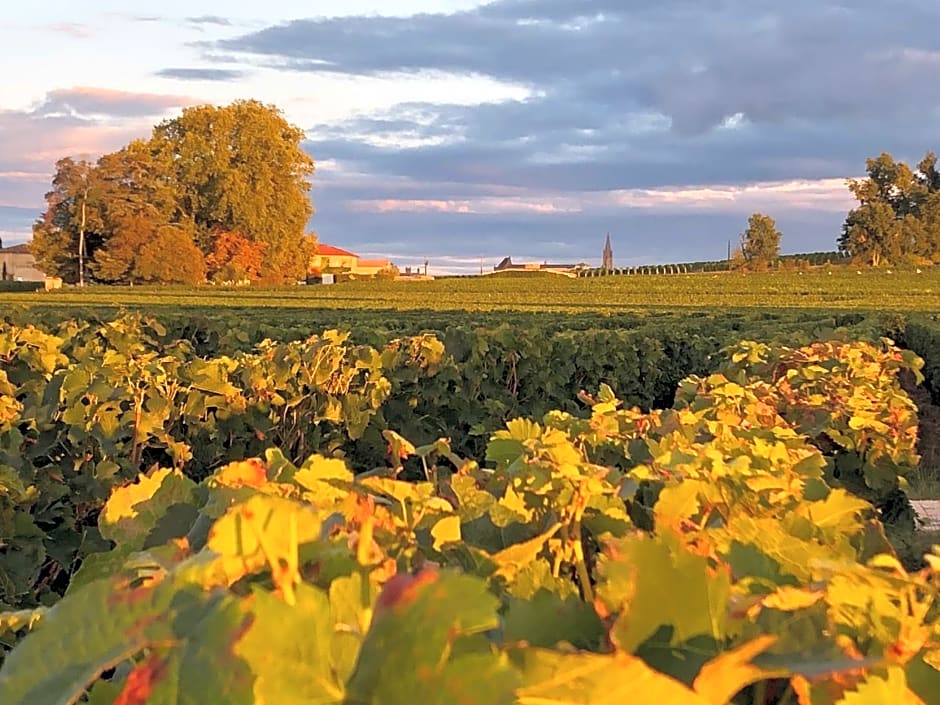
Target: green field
(201, 481)
(843, 289)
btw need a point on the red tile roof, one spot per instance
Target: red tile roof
(21, 249)
(330, 251)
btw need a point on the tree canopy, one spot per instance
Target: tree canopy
(760, 243)
(898, 216)
(155, 210)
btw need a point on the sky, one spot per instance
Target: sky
(463, 132)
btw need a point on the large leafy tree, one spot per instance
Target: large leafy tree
(235, 258)
(170, 257)
(71, 228)
(760, 242)
(137, 180)
(145, 250)
(213, 170)
(138, 199)
(872, 233)
(241, 168)
(898, 216)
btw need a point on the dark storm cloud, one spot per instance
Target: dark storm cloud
(200, 74)
(697, 63)
(494, 142)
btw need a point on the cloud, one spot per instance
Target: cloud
(696, 63)
(84, 101)
(80, 122)
(209, 19)
(631, 90)
(479, 205)
(31, 143)
(550, 121)
(200, 74)
(822, 195)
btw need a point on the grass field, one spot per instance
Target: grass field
(843, 289)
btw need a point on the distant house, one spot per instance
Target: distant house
(331, 258)
(507, 265)
(17, 264)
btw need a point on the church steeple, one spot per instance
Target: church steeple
(607, 261)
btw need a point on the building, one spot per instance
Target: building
(329, 258)
(17, 264)
(571, 270)
(607, 258)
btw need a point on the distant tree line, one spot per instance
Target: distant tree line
(897, 220)
(218, 193)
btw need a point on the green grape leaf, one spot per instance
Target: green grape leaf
(132, 512)
(513, 558)
(652, 582)
(106, 623)
(351, 600)
(421, 645)
(328, 479)
(263, 530)
(446, 530)
(548, 619)
(553, 678)
(721, 678)
(290, 649)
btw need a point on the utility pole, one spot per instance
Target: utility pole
(85, 172)
(81, 237)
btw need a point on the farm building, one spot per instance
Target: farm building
(333, 258)
(17, 264)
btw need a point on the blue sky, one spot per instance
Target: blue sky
(456, 130)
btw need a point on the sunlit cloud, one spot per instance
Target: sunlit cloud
(823, 194)
(482, 205)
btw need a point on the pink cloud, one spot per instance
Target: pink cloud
(91, 101)
(822, 194)
(829, 195)
(474, 205)
(81, 122)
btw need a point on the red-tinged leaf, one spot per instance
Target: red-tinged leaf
(402, 589)
(141, 681)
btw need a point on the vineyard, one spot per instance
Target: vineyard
(838, 288)
(192, 513)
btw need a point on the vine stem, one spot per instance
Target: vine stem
(584, 577)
